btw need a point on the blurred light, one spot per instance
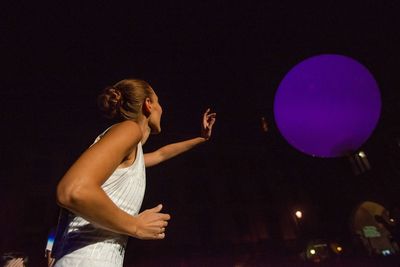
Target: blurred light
(298, 214)
(359, 162)
(336, 248)
(391, 220)
(386, 252)
(317, 251)
(370, 231)
(264, 124)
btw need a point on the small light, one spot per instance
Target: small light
(336, 248)
(391, 220)
(264, 124)
(299, 214)
(361, 154)
(312, 251)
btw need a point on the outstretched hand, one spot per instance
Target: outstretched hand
(208, 122)
(151, 224)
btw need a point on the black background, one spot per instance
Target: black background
(56, 57)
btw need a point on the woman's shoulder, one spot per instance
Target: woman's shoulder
(125, 129)
(128, 125)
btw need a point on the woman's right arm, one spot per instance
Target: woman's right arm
(80, 189)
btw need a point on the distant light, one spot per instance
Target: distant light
(299, 214)
(386, 252)
(264, 124)
(391, 220)
(312, 251)
(336, 248)
(359, 162)
(370, 231)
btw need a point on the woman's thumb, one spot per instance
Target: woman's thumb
(157, 208)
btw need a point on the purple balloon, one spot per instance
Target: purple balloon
(327, 105)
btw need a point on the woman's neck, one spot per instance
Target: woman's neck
(144, 126)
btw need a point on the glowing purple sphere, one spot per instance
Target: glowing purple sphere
(327, 105)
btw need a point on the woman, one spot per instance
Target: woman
(103, 190)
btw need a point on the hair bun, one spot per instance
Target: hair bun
(124, 100)
(110, 101)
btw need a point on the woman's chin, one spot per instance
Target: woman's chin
(156, 130)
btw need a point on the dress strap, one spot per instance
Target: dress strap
(101, 135)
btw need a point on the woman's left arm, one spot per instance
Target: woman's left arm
(172, 150)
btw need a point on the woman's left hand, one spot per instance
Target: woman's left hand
(208, 122)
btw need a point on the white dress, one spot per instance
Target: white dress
(80, 243)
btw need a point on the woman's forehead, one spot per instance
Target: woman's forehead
(154, 95)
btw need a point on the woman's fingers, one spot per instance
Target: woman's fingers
(155, 233)
(211, 116)
(153, 223)
(208, 118)
(157, 208)
(164, 216)
(211, 120)
(157, 215)
(160, 236)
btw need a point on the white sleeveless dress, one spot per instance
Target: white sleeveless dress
(80, 243)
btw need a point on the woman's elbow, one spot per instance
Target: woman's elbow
(68, 196)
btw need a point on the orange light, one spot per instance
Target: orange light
(298, 214)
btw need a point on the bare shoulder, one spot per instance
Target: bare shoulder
(127, 132)
(127, 127)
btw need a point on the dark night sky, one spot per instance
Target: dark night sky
(231, 57)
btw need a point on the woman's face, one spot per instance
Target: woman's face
(155, 116)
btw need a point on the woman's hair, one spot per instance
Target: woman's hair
(124, 100)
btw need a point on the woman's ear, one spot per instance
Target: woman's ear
(147, 107)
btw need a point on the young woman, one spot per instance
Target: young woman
(102, 192)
